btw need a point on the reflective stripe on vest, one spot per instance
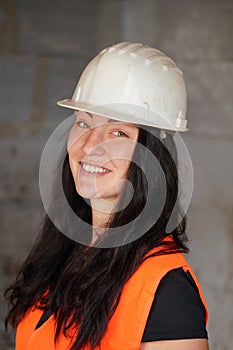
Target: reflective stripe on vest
(125, 328)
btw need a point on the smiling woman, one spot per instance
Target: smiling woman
(129, 287)
(100, 150)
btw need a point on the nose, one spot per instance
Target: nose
(93, 142)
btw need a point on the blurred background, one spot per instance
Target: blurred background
(44, 45)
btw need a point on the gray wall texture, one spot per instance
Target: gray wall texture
(44, 45)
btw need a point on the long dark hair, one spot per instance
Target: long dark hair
(81, 284)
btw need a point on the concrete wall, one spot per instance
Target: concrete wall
(44, 46)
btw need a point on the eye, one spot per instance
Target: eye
(83, 125)
(119, 133)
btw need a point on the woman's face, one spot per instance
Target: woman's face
(100, 150)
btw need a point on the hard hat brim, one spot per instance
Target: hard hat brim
(108, 112)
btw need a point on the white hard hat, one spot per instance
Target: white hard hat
(134, 83)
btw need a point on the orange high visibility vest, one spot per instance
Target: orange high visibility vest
(126, 327)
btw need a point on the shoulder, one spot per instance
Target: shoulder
(177, 311)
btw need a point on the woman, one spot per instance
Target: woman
(117, 279)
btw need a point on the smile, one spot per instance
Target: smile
(94, 169)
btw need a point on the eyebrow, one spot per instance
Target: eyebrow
(90, 115)
(112, 121)
(109, 120)
(119, 121)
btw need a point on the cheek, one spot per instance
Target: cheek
(73, 159)
(74, 140)
(71, 138)
(74, 148)
(122, 166)
(72, 165)
(121, 150)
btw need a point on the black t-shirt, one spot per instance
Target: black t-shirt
(177, 311)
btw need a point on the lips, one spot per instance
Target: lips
(94, 169)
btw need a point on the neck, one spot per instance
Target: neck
(101, 212)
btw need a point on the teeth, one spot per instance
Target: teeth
(93, 169)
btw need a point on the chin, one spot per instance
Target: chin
(87, 193)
